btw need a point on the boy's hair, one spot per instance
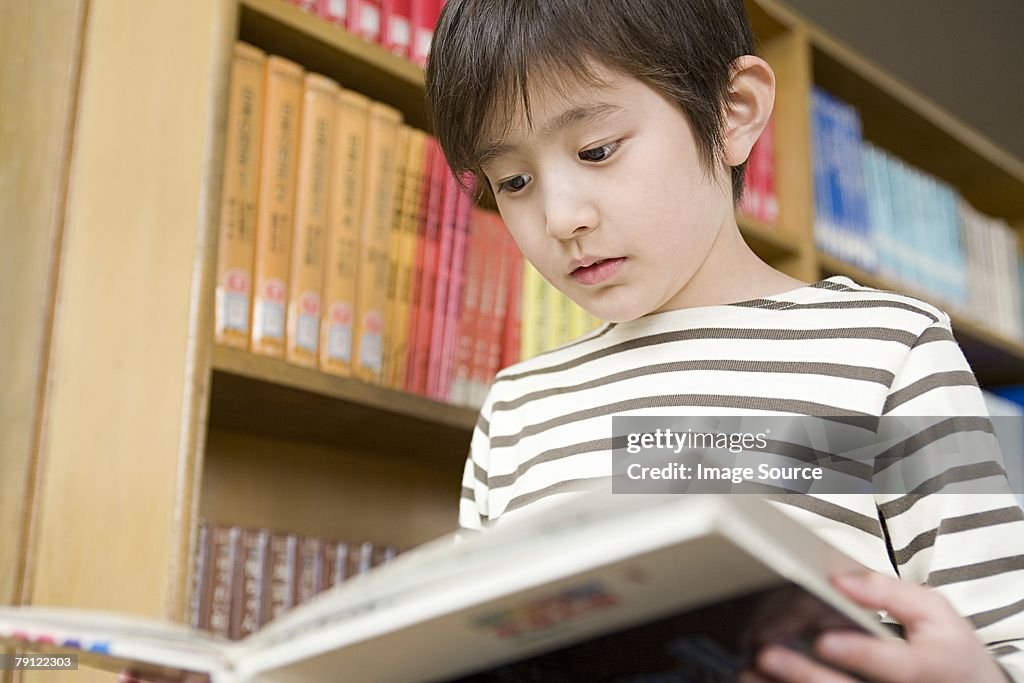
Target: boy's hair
(483, 49)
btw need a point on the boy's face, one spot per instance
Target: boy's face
(624, 186)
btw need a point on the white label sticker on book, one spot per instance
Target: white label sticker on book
(339, 343)
(306, 332)
(369, 21)
(271, 319)
(371, 352)
(337, 9)
(236, 311)
(399, 30)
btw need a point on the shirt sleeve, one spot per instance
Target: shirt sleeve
(968, 546)
(473, 499)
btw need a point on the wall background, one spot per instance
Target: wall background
(967, 57)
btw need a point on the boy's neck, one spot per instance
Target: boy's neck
(732, 272)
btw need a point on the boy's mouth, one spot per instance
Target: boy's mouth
(592, 271)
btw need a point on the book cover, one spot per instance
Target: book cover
(344, 212)
(236, 244)
(305, 287)
(374, 240)
(275, 209)
(540, 596)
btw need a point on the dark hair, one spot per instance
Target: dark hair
(483, 49)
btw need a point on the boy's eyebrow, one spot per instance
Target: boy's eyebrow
(573, 115)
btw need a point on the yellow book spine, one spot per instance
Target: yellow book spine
(344, 209)
(399, 182)
(375, 233)
(530, 342)
(275, 212)
(319, 110)
(553, 317)
(417, 142)
(235, 251)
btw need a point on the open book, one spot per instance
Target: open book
(601, 587)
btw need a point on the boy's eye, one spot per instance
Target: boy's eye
(512, 185)
(608, 149)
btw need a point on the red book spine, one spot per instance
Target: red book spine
(488, 295)
(513, 314)
(364, 19)
(496, 334)
(428, 284)
(424, 18)
(396, 26)
(771, 200)
(445, 243)
(334, 11)
(455, 288)
(469, 313)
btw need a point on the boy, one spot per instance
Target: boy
(613, 134)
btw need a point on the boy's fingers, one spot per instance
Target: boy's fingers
(906, 602)
(791, 667)
(874, 658)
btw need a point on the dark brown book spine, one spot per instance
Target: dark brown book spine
(336, 562)
(253, 567)
(279, 591)
(226, 550)
(310, 573)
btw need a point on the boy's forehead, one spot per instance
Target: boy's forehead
(554, 106)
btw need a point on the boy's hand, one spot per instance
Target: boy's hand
(940, 646)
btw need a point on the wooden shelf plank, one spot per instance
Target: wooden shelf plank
(769, 242)
(995, 359)
(267, 396)
(319, 46)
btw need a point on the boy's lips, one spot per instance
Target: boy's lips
(594, 270)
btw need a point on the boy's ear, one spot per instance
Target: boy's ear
(751, 98)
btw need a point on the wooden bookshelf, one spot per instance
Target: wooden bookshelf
(141, 424)
(264, 395)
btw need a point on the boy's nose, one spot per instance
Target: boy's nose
(568, 217)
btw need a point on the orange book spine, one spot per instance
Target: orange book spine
(240, 191)
(344, 209)
(407, 256)
(319, 109)
(374, 233)
(416, 283)
(399, 182)
(275, 208)
(488, 297)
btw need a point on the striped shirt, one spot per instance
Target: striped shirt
(832, 348)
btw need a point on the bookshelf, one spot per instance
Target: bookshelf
(139, 425)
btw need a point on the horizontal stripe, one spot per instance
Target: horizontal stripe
(936, 380)
(756, 403)
(843, 305)
(736, 333)
(951, 476)
(977, 570)
(1004, 650)
(989, 617)
(468, 494)
(935, 334)
(855, 372)
(952, 525)
(567, 485)
(552, 455)
(829, 510)
(952, 425)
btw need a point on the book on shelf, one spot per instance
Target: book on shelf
(305, 286)
(244, 577)
(344, 212)
(620, 575)
(759, 200)
(240, 192)
(275, 207)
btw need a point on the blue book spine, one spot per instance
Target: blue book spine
(822, 195)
